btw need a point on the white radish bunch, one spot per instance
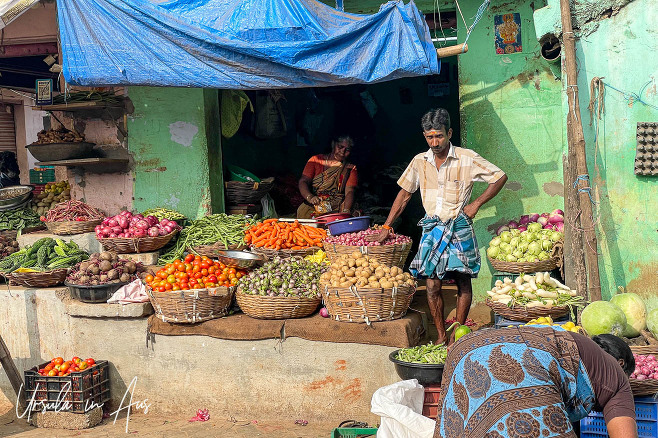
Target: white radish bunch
(535, 290)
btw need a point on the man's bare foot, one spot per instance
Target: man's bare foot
(441, 338)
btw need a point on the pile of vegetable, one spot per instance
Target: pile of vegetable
(539, 290)
(8, 246)
(624, 315)
(59, 367)
(277, 235)
(61, 135)
(73, 211)
(364, 271)
(548, 221)
(46, 254)
(359, 239)
(53, 194)
(547, 320)
(317, 257)
(532, 245)
(227, 229)
(429, 354)
(646, 367)
(18, 219)
(287, 277)
(125, 224)
(104, 268)
(194, 272)
(163, 213)
(635, 311)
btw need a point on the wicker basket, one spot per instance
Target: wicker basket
(12, 234)
(388, 255)
(72, 227)
(125, 245)
(367, 304)
(647, 386)
(525, 314)
(238, 192)
(38, 279)
(191, 306)
(266, 307)
(269, 254)
(528, 267)
(210, 251)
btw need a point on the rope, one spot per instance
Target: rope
(634, 97)
(596, 106)
(481, 10)
(587, 189)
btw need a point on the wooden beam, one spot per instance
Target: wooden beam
(444, 52)
(12, 372)
(576, 143)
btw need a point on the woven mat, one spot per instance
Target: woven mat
(401, 333)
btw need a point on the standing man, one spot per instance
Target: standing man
(445, 175)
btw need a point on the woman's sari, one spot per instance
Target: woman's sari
(328, 186)
(513, 383)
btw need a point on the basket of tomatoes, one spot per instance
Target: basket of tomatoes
(192, 290)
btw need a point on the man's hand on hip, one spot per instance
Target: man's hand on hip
(471, 210)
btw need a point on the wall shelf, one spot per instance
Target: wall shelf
(78, 106)
(99, 165)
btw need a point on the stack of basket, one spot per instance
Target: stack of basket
(245, 190)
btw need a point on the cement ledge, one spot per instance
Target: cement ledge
(79, 309)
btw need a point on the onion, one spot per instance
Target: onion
(524, 220)
(324, 312)
(542, 221)
(555, 218)
(98, 228)
(164, 222)
(152, 220)
(123, 221)
(142, 224)
(522, 228)
(153, 232)
(105, 221)
(559, 227)
(117, 230)
(126, 213)
(533, 217)
(107, 230)
(546, 215)
(548, 226)
(112, 223)
(139, 215)
(513, 224)
(558, 211)
(139, 232)
(112, 236)
(169, 228)
(501, 229)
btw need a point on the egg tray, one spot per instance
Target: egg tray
(646, 156)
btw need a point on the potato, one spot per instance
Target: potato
(372, 279)
(374, 284)
(375, 264)
(386, 284)
(379, 274)
(400, 277)
(353, 280)
(346, 284)
(359, 262)
(407, 276)
(357, 255)
(361, 282)
(335, 283)
(351, 263)
(410, 282)
(344, 268)
(396, 283)
(350, 272)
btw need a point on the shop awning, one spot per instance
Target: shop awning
(240, 44)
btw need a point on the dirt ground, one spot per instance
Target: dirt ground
(152, 426)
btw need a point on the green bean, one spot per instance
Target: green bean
(163, 213)
(430, 354)
(227, 229)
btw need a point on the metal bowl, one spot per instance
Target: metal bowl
(61, 151)
(93, 294)
(239, 259)
(15, 195)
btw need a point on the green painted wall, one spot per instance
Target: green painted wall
(172, 133)
(511, 114)
(621, 51)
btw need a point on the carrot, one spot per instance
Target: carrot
(269, 221)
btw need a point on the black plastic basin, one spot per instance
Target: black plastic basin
(425, 373)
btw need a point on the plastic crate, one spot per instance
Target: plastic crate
(42, 176)
(646, 413)
(353, 432)
(78, 392)
(431, 401)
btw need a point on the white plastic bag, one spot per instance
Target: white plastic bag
(401, 405)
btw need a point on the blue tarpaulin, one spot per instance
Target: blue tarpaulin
(240, 44)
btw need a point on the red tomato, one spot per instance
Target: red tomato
(52, 373)
(83, 365)
(90, 361)
(204, 265)
(212, 269)
(184, 286)
(161, 289)
(149, 278)
(60, 374)
(168, 286)
(189, 258)
(223, 277)
(234, 281)
(198, 275)
(171, 279)
(58, 361)
(49, 367)
(65, 366)
(175, 287)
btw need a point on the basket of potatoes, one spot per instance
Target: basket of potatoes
(358, 288)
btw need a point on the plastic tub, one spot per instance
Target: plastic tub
(426, 374)
(351, 225)
(239, 174)
(93, 294)
(331, 217)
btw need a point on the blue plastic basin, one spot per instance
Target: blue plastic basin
(351, 225)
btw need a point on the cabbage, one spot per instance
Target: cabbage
(652, 322)
(602, 317)
(635, 311)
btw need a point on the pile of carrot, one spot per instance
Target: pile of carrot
(277, 235)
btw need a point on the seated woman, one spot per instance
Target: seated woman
(534, 382)
(329, 178)
(9, 172)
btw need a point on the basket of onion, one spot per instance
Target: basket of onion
(644, 379)
(128, 233)
(392, 252)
